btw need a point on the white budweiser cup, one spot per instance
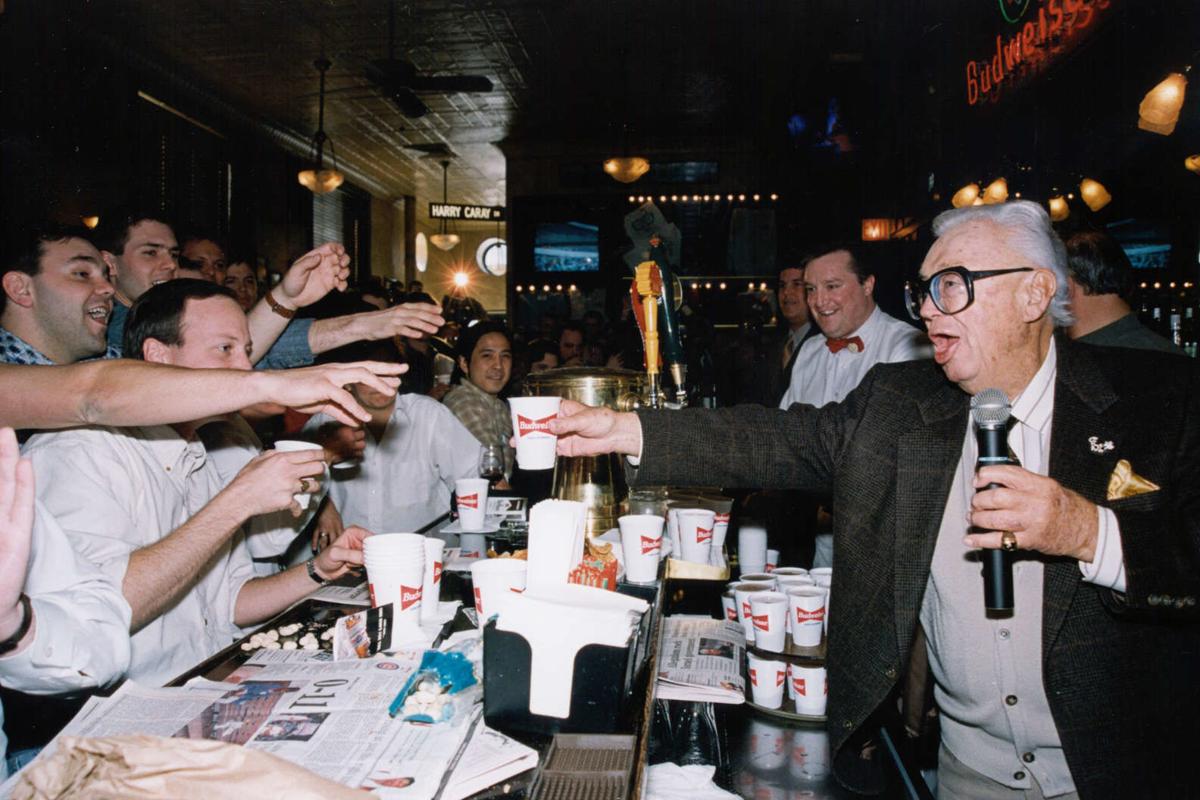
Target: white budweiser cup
(811, 690)
(810, 754)
(294, 446)
(786, 584)
(772, 560)
(741, 598)
(721, 509)
(641, 544)
(806, 606)
(769, 612)
(431, 578)
(395, 565)
(490, 578)
(768, 746)
(472, 545)
(471, 497)
(822, 575)
(752, 548)
(789, 572)
(760, 577)
(729, 606)
(531, 426)
(767, 678)
(695, 534)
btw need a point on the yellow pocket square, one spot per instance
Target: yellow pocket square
(1124, 482)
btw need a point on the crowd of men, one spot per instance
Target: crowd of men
(143, 526)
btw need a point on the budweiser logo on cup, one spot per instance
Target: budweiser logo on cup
(468, 500)
(525, 425)
(478, 602)
(746, 609)
(754, 676)
(437, 571)
(703, 535)
(731, 613)
(760, 621)
(650, 545)
(779, 676)
(810, 616)
(409, 597)
(371, 591)
(721, 519)
(799, 684)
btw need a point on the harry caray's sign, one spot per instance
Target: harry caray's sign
(460, 211)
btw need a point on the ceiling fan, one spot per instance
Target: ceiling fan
(399, 81)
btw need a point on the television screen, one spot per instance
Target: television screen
(1148, 244)
(566, 247)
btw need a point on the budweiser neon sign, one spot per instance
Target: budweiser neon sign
(1056, 27)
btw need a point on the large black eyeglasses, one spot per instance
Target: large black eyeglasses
(952, 289)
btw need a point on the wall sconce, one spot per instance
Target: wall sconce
(90, 222)
(996, 192)
(1193, 163)
(876, 230)
(1094, 194)
(1059, 210)
(965, 196)
(1159, 109)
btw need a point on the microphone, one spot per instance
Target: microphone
(990, 412)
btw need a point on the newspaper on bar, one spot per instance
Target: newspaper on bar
(700, 659)
(327, 716)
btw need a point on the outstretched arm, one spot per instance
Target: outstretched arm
(123, 392)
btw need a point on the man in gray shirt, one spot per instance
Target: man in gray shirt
(1099, 279)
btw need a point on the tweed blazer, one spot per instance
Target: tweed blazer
(1121, 671)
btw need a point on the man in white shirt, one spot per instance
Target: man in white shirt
(857, 335)
(413, 452)
(147, 506)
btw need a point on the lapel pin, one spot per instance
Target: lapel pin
(1099, 446)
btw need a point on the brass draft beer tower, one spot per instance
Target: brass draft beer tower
(599, 481)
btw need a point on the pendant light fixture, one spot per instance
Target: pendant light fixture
(625, 168)
(442, 240)
(320, 180)
(1159, 109)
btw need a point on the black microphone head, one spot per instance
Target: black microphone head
(990, 409)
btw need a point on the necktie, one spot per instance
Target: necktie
(854, 343)
(788, 349)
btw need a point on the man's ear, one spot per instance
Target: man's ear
(110, 261)
(156, 352)
(1039, 292)
(869, 285)
(462, 364)
(18, 288)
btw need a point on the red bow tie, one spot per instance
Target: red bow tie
(855, 344)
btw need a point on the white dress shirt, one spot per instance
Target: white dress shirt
(117, 490)
(820, 376)
(405, 479)
(81, 632)
(988, 671)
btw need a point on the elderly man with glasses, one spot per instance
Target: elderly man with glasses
(1087, 688)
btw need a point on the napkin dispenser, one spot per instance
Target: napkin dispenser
(603, 680)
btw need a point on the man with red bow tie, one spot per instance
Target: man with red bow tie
(857, 336)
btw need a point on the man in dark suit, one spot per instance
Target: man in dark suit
(1088, 689)
(794, 329)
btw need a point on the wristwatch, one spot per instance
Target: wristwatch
(311, 567)
(286, 313)
(10, 644)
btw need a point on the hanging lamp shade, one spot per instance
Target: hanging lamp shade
(1159, 109)
(320, 181)
(626, 169)
(1094, 194)
(996, 192)
(965, 196)
(444, 241)
(1193, 163)
(1059, 210)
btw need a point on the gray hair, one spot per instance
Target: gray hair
(1029, 233)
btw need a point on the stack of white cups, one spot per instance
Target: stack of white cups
(395, 565)
(491, 578)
